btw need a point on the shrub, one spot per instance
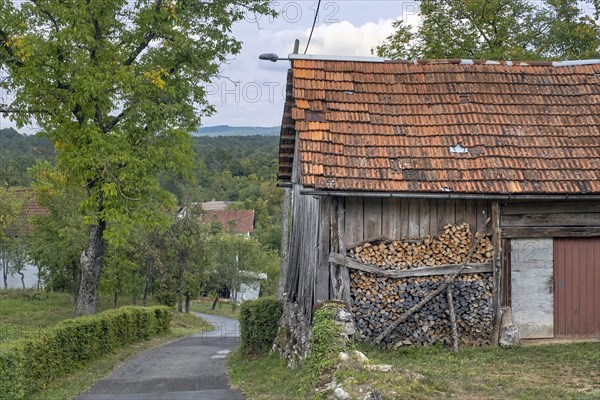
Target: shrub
(259, 321)
(28, 365)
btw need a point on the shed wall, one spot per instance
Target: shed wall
(396, 218)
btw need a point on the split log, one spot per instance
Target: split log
(441, 288)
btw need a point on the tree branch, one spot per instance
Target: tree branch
(148, 37)
(5, 109)
(47, 14)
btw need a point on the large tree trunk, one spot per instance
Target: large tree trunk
(91, 265)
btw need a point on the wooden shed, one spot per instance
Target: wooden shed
(392, 153)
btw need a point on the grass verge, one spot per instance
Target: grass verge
(223, 308)
(565, 371)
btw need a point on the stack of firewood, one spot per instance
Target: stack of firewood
(377, 301)
(451, 247)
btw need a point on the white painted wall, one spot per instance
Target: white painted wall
(31, 278)
(531, 287)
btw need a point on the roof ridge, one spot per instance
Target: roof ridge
(459, 61)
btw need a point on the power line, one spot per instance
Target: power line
(313, 26)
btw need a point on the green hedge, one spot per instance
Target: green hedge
(28, 365)
(259, 321)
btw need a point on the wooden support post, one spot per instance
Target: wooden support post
(285, 242)
(322, 277)
(344, 274)
(497, 273)
(340, 277)
(452, 319)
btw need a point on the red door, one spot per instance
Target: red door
(577, 286)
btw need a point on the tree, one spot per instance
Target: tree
(237, 259)
(184, 259)
(10, 254)
(497, 30)
(115, 86)
(58, 237)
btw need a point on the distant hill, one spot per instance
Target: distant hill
(226, 130)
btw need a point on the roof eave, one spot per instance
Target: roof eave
(453, 196)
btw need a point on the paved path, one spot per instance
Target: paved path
(190, 368)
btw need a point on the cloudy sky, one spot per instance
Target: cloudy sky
(347, 28)
(250, 92)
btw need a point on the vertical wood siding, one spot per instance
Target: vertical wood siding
(577, 286)
(396, 218)
(304, 243)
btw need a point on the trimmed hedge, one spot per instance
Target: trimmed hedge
(28, 365)
(259, 320)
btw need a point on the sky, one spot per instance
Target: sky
(250, 92)
(345, 28)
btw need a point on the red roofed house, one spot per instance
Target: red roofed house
(397, 151)
(240, 222)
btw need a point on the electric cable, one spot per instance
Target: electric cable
(313, 26)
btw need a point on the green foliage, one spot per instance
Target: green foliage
(115, 87)
(237, 260)
(59, 237)
(259, 321)
(325, 344)
(28, 365)
(497, 30)
(184, 257)
(20, 152)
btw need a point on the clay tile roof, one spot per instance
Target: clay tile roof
(30, 208)
(443, 126)
(242, 220)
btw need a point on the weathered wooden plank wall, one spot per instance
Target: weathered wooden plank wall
(550, 219)
(396, 218)
(304, 247)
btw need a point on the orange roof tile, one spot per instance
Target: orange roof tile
(391, 127)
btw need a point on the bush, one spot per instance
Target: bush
(28, 365)
(259, 321)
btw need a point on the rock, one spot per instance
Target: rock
(353, 356)
(341, 394)
(410, 374)
(372, 395)
(344, 316)
(509, 336)
(379, 367)
(360, 357)
(345, 357)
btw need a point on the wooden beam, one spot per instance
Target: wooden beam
(543, 220)
(551, 207)
(551, 231)
(497, 290)
(322, 277)
(470, 268)
(344, 274)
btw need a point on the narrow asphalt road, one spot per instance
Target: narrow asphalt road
(190, 368)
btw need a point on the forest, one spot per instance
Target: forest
(177, 259)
